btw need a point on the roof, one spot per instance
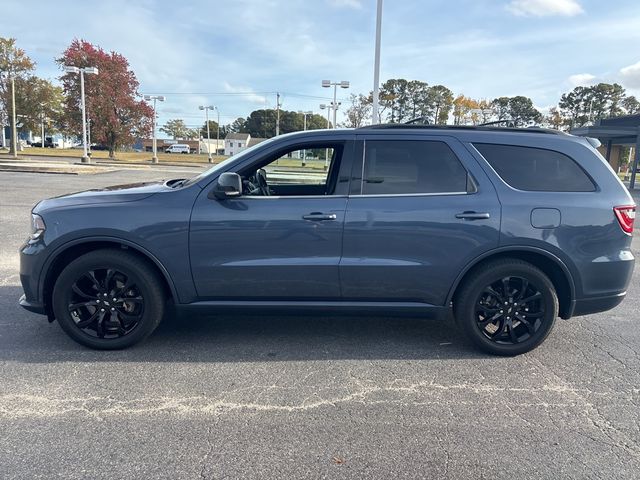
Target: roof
(237, 136)
(255, 140)
(623, 121)
(623, 130)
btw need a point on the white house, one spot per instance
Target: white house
(234, 143)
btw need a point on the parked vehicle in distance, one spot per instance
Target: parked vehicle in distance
(48, 143)
(178, 148)
(506, 229)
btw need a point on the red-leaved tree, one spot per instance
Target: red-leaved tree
(117, 113)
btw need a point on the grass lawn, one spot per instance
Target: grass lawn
(311, 164)
(120, 156)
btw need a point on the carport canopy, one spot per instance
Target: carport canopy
(616, 131)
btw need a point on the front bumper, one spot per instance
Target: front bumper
(32, 306)
(31, 264)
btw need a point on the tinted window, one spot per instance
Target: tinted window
(536, 169)
(411, 166)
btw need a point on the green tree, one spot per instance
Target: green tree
(583, 105)
(631, 105)
(213, 129)
(359, 112)
(393, 100)
(555, 119)
(239, 125)
(14, 64)
(500, 108)
(440, 103)
(39, 101)
(176, 129)
(522, 111)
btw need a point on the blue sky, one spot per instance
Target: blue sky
(234, 54)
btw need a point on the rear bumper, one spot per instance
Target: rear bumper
(587, 306)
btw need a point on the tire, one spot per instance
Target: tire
(506, 319)
(84, 305)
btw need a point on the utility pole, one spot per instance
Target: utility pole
(277, 114)
(218, 133)
(376, 66)
(14, 123)
(89, 136)
(42, 130)
(304, 128)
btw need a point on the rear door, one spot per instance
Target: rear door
(419, 210)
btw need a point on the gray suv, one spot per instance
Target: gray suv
(506, 229)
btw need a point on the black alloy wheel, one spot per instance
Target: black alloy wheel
(106, 303)
(510, 310)
(506, 307)
(108, 299)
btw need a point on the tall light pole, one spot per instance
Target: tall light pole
(218, 132)
(82, 71)
(331, 106)
(329, 83)
(206, 112)
(14, 122)
(375, 118)
(155, 98)
(278, 114)
(42, 130)
(304, 128)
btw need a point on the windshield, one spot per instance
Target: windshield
(222, 165)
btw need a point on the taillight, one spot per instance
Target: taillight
(626, 215)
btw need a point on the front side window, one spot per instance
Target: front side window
(396, 167)
(535, 169)
(300, 171)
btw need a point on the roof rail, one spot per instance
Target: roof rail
(480, 128)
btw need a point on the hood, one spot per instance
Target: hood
(116, 194)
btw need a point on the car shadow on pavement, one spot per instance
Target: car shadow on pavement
(30, 338)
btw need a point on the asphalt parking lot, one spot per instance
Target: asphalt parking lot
(296, 397)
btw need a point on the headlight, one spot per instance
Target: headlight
(37, 227)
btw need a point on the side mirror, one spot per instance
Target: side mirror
(229, 185)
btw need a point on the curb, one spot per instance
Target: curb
(52, 169)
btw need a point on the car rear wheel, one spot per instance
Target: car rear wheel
(108, 299)
(508, 307)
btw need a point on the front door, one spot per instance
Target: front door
(421, 209)
(282, 239)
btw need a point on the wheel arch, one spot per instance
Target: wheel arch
(550, 264)
(74, 249)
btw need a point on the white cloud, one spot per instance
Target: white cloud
(246, 93)
(631, 76)
(581, 79)
(545, 8)
(356, 4)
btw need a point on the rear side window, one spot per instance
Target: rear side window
(536, 169)
(395, 167)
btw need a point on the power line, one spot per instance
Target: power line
(248, 94)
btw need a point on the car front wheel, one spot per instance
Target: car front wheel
(108, 299)
(508, 307)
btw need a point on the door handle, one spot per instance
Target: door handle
(319, 217)
(473, 215)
